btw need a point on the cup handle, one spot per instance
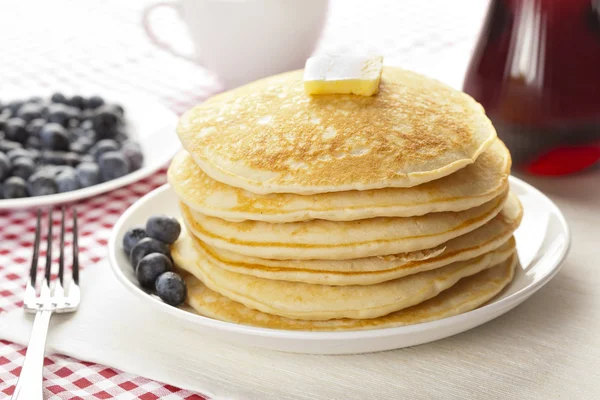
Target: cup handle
(155, 39)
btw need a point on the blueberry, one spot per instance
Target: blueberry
(88, 174)
(42, 183)
(58, 98)
(14, 188)
(54, 137)
(30, 111)
(8, 145)
(77, 101)
(95, 102)
(34, 127)
(163, 228)
(132, 237)
(23, 167)
(133, 153)
(15, 130)
(104, 146)
(5, 166)
(36, 100)
(171, 288)
(59, 113)
(150, 268)
(66, 181)
(147, 246)
(113, 165)
(14, 106)
(34, 142)
(17, 153)
(105, 122)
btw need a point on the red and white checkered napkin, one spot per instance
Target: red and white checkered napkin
(65, 377)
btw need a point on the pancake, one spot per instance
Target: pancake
(271, 137)
(468, 294)
(467, 188)
(319, 302)
(372, 270)
(329, 240)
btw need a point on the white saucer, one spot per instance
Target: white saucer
(149, 123)
(542, 242)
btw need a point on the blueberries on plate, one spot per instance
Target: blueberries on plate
(151, 267)
(38, 135)
(147, 246)
(151, 259)
(163, 228)
(113, 165)
(14, 188)
(54, 137)
(15, 130)
(42, 183)
(88, 174)
(171, 288)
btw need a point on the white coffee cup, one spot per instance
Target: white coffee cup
(244, 40)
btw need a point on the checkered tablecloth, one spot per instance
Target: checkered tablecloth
(68, 45)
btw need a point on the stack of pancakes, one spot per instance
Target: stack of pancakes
(342, 212)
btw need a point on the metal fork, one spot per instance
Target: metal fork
(52, 299)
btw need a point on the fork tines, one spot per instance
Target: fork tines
(53, 298)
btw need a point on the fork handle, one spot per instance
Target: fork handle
(29, 385)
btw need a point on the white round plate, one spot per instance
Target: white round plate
(542, 242)
(149, 123)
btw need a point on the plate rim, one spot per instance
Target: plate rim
(495, 308)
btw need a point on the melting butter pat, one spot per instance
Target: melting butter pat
(342, 75)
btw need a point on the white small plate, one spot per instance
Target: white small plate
(149, 123)
(543, 240)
